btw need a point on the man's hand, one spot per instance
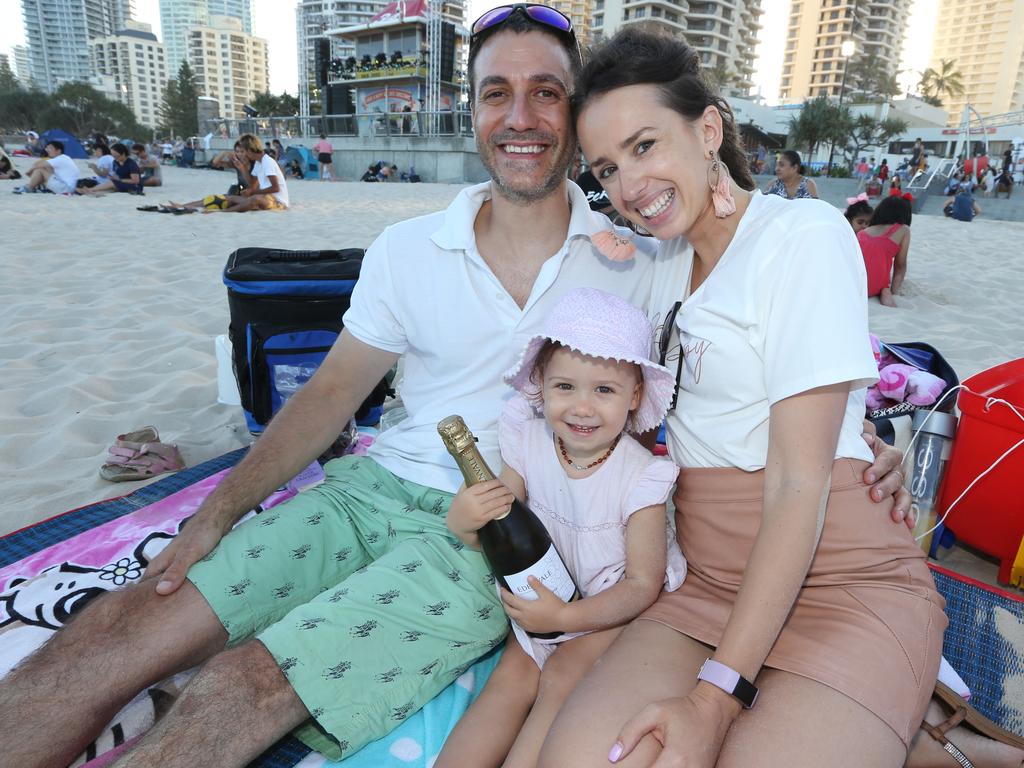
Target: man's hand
(474, 507)
(887, 471)
(545, 614)
(196, 540)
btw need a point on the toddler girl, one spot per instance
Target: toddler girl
(858, 212)
(600, 494)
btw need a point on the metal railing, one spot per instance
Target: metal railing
(444, 123)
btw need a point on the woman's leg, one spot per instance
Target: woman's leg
(484, 735)
(983, 752)
(646, 663)
(801, 723)
(561, 674)
(886, 297)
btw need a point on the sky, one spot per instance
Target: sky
(274, 20)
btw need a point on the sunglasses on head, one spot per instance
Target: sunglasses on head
(664, 344)
(542, 14)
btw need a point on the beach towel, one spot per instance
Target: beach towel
(51, 570)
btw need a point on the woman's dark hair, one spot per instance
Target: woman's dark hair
(120, 148)
(640, 57)
(138, 148)
(859, 208)
(894, 209)
(793, 157)
(103, 148)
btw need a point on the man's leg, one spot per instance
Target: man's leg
(239, 704)
(38, 176)
(56, 701)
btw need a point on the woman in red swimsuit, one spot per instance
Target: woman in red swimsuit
(884, 244)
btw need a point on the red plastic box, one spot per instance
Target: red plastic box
(991, 516)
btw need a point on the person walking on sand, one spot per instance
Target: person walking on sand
(501, 255)
(325, 156)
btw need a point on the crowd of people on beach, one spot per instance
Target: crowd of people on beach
(784, 617)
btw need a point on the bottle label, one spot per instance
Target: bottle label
(551, 572)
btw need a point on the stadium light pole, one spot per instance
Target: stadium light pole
(846, 50)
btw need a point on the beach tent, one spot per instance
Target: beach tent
(72, 146)
(307, 161)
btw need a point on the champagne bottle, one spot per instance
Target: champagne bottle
(516, 544)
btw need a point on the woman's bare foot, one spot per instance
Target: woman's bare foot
(983, 752)
(886, 298)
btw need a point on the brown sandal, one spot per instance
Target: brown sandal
(962, 712)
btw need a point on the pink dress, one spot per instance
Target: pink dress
(586, 517)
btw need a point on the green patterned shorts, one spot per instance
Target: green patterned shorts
(367, 602)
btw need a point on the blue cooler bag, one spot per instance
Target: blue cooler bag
(286, 310)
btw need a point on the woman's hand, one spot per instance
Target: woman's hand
(545, 614)
(690, 730)
(474, 507)
(886, 470)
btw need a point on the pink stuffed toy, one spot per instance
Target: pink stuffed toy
(899, 382)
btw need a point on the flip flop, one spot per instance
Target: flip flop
(148, 208)
(147, 434)
(963, 713)
(149, 460)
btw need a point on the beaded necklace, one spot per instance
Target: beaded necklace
(581, 467)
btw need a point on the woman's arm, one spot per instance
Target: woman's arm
(639, 588)
(899, 267)
(812, 188)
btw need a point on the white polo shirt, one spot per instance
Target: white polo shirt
(784, 311)
(425, 292)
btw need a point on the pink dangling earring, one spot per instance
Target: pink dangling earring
(721, 189)
(613, 246)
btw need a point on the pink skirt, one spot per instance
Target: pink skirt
(867, 622)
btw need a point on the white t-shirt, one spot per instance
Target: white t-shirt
(104, 163)
(426, 292)
(783, 311)
(263, 169)
(64, 168)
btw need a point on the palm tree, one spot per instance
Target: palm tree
(947, 81)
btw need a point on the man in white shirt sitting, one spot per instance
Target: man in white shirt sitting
(56, 172)
(269, 191)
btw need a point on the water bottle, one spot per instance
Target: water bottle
(930, 457)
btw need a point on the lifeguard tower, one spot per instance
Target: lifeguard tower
(405, 77)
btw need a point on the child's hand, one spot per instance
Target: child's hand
(474, 507)
(545, 614)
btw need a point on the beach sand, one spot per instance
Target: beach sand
(110, 315)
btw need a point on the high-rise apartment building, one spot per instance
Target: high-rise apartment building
(724, 32)
(230, 65)
(59, 31)
(22, 64)
(813, 62)
(582, 14)
(985, 41)
(177, 17)
(132, 62)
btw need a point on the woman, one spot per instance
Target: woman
(791, 182)
(125, 176)
(325, 156)
(834, 616)
(884, 244)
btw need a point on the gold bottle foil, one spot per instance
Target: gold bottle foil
(462, 446)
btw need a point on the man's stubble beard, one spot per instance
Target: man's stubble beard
(558, 173)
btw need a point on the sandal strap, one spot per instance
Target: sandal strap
(938, 732)
(957, 755)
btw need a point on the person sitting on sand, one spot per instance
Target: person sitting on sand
(152, 174)
(235, 158)
(269, 191)
(56, 172)
(102, 168)
(7, 169)
(126, 176)
(962, 206)
(371, 173)
(884, 244)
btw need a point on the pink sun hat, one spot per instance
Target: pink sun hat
(600, 324)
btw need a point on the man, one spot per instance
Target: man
(152, 173)
(962, 205)
(56, 172)
(387, 621)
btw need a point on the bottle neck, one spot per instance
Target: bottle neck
(472, 465)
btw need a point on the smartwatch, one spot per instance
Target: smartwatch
(729, 680)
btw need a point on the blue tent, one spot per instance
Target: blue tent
(72, 146)
(307, 161)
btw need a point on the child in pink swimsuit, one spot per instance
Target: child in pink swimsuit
(583, 384)
(884, 245)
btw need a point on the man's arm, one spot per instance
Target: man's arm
(301, 431)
